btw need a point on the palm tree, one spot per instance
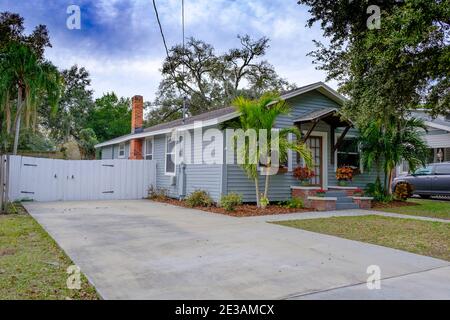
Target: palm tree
(387, 144)
(31, 79)
(259, 115)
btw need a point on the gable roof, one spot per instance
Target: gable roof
(436, 123)
(220, 115)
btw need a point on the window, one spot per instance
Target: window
(443, 169)
(149, 149)
(424, 171)
(170, 155)
(348, 153)
(121, 150)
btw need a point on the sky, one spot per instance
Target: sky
(119, 41)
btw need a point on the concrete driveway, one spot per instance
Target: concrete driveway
(145, 250)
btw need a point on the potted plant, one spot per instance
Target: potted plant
(344, 175)
(304, 174)
(321, 193)
(358, 192)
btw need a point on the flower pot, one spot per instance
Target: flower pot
(305, 183)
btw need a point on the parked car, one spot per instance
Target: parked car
(432, 180)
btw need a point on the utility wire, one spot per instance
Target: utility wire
(160, 28)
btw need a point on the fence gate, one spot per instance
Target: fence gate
(42, 179)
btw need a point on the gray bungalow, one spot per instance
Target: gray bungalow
(314, 110)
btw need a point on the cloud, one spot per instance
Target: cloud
(121, 46)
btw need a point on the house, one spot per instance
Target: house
(437, 138)
(314, 110)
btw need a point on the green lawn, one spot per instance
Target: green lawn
(423, 237)
(32, 266)
(424, 208)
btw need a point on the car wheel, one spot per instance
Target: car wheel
(425, 196)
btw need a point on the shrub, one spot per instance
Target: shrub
(264, 202)
(157, 193)
(199, 198)
(294, 203)
(230, 201)
(403, 191)
(376, 191)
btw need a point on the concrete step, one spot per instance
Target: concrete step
(346, 206)
(335, 194)
(344, 200)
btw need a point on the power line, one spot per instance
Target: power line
(160, 28)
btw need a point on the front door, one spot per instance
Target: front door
(315, 145)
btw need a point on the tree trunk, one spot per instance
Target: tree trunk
(258, 203)
(8, 114)
(390, 181)
(266, 186)
(18, 116)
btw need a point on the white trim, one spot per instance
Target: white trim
(118, 150)
(305, 188)
(165, 157)
(322, 88)
(322, 198)
(342, 188)
(437, 126)
(317, 115)
(145, 148)
(325, 159)
(206, 123)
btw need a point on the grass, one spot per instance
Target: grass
(424, 208)
(32, 266)
(422, 237)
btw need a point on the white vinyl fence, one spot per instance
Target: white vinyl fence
(43, 179)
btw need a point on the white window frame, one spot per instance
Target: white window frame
(145, 148)
(121, 146)
(361, 167)
(166, 154)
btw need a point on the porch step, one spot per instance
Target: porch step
(344, 200)
(345, 206)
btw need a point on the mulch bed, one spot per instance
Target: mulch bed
(392, 204)
(244, 210)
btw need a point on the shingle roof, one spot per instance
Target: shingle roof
(200, 117)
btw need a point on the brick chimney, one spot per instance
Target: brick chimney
(137, 114)
(137, 119)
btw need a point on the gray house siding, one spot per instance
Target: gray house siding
(220, 179)
(206, 177)
(112, 151)
(280, 185)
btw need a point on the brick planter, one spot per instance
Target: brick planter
(323, 203)
(303, 193)
(363, 202)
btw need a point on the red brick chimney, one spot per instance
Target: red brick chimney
(137, 119)
(137, 114)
